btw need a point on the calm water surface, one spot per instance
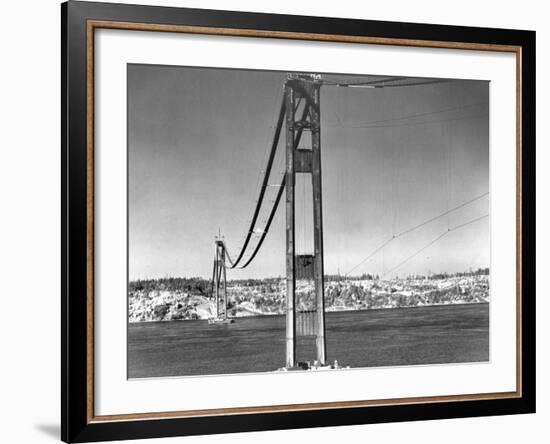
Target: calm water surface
(403, 336)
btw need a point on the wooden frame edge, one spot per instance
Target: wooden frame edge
(284, 408)
(91, 25)
(236, 32)
(90, 207)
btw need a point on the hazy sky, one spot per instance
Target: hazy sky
(392, 158)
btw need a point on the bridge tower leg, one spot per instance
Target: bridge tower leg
(290, 236)
(306, 90)
(318, 264)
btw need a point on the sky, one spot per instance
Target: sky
(392, 158)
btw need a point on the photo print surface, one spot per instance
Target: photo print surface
(283, 221)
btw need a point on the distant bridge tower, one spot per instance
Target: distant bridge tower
(219, 286)
(302, 100)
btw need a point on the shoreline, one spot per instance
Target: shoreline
(258, 315)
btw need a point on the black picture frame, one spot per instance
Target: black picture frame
(77, 425)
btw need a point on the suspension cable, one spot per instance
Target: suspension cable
(433, 241)
(267, 173)
(234, 264)
(413, 228)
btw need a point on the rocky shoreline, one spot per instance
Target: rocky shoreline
(151, 303)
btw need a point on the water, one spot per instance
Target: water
(403, 336)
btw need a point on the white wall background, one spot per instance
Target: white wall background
(30, 219)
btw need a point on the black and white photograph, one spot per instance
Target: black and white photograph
(299, 221)
(277, 222)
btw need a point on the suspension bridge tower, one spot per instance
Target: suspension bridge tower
(219, 284)
(302, 104)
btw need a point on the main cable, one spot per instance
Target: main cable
(267, 173)
(299, 132)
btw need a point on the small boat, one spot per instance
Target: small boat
(220, 320)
